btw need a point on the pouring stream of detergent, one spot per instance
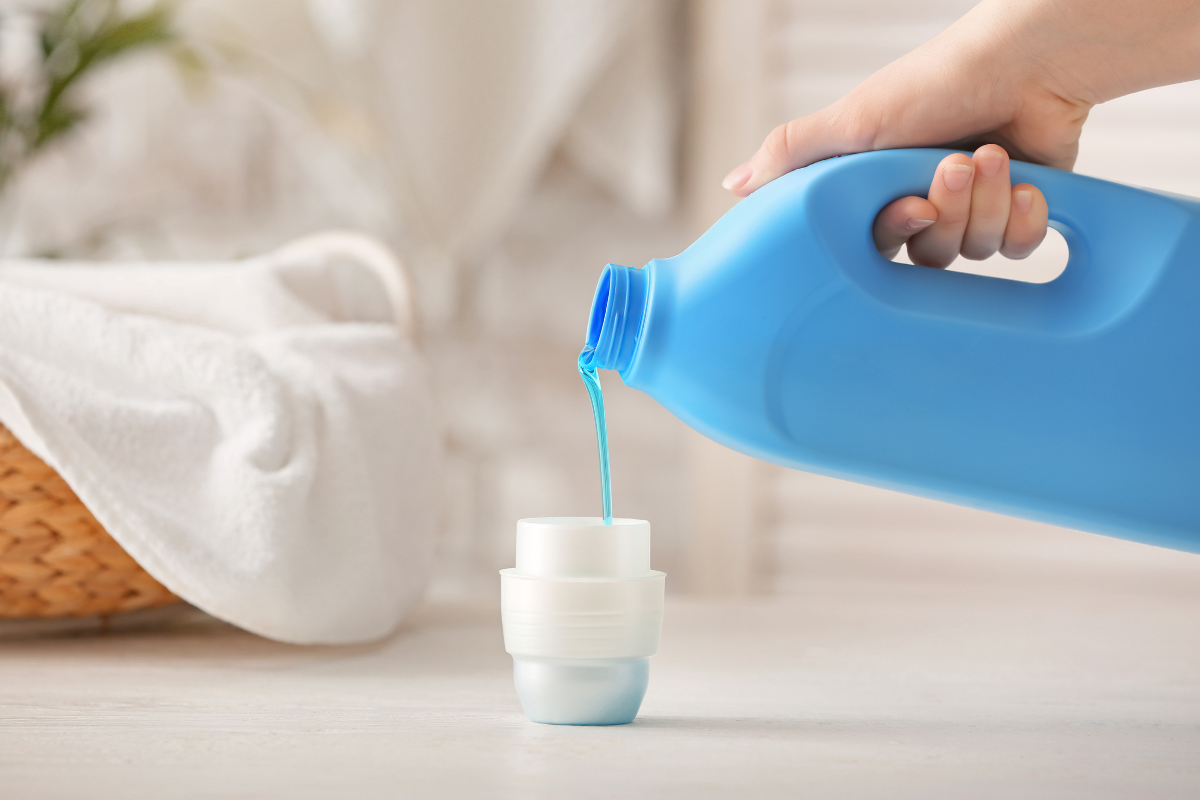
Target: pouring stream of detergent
(592, 381)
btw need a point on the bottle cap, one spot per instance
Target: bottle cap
(583, 547)
(582, 614)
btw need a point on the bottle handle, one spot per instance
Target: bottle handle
(1120, 238)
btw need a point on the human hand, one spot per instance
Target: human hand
(1022, 74)
(972, 209)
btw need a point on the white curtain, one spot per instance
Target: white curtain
(424, 121)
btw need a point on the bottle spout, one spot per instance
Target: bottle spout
(615, 323)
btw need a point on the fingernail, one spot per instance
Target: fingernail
(989, 162)
(1023, 201)
(737, 179)
(956, 176)
(915, 224)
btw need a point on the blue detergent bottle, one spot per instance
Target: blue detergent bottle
(783, 333)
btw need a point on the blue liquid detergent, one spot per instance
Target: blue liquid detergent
(591, 380)
(783, 333)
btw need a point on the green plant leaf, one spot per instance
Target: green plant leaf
(76, 37)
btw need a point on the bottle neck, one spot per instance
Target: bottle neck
(615, 323)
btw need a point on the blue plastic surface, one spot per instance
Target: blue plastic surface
(784, 334)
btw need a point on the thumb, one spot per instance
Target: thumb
(943, 92)
(798, 143)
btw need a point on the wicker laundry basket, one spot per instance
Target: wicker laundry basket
(55, 558)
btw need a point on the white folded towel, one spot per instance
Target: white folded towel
(259, 436)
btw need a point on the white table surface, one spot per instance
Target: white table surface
(842, 691)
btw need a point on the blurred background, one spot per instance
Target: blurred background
(508, 150)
